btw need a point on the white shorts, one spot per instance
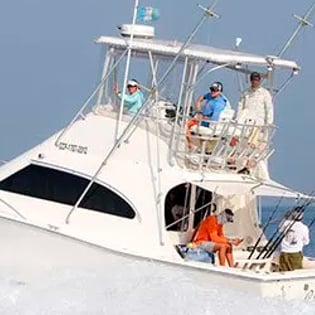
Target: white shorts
(207, 246)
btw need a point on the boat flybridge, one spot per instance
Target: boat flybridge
(113, 179)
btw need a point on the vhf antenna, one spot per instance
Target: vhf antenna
(303, 21)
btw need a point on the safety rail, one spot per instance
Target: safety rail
(223, 145)
(217, 145)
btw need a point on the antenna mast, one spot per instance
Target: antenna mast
(303, 21)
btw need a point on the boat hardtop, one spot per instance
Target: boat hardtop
(169, 48)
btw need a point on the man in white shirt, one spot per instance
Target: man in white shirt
(296, 236)
(255, 108)
(255, 104)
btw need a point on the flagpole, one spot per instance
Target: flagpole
(135, 9)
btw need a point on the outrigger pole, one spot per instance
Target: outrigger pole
(135, 10)
(303, 21)
(311, 223)
(265, 227)
(207, 13)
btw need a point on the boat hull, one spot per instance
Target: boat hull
(299, 285)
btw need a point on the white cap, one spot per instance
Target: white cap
(133, 82)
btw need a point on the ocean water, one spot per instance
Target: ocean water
(41, 273)
(309, 215)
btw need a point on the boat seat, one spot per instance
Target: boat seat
(216, 128)
(202, 131)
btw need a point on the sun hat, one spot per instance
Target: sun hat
(133, 82)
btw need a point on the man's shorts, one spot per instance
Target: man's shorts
(207, 246)
(290, 261)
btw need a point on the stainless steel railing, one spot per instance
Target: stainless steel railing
(223, 145)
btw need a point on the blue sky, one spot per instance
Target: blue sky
(49, 65)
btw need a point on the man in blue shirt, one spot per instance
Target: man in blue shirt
(134, 100)
(216, 102)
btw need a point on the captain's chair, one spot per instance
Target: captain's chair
(216, 127)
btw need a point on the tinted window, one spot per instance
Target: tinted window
(50, 184)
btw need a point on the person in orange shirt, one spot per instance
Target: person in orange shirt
(210, 237)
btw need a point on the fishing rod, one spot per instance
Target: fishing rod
(264, 228)
(276, 233)
(311, 223)
(283, 234)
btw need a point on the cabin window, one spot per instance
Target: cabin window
(49, 184)
(177, 205)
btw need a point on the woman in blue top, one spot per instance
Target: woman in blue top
(134, 100)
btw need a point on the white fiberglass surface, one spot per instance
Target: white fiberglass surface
(42, 273)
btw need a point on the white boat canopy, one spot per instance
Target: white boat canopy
(246, 186)
(198, 52)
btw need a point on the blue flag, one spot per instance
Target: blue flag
(147, 14)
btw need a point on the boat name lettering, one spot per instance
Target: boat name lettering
(72, 147)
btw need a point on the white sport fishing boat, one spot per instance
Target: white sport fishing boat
(112, 179)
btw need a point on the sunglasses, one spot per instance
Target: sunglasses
(214, 89)
(131, 86)
(229, 219)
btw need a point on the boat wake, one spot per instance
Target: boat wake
(42, 273)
